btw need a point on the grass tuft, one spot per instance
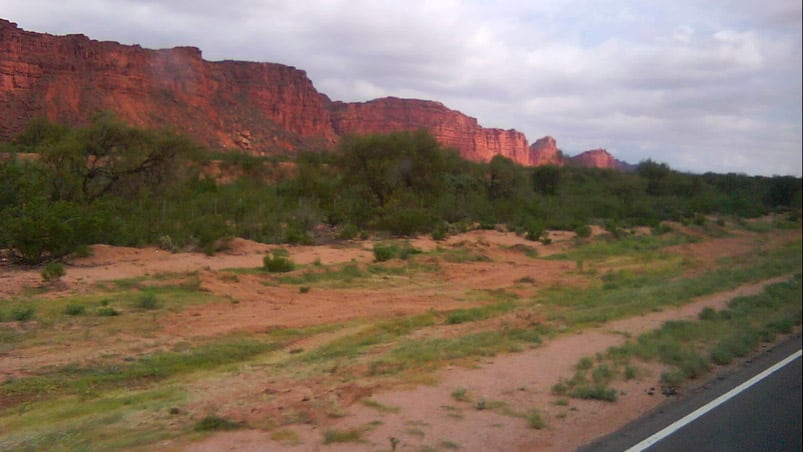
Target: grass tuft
(215, 423)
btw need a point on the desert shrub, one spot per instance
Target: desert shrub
(348, 232)
(384, 251)
(661, 228)
(534, 230)
(215, 423)
(582, 230)
(147, 300)
(585, 363)
(165, 242)
(277, 262)
(341, 436)
(707, 314)
(21, 314)
(595, 392)
(560, 388)
(53, 271)
(387, 251)
(440, 231)
(108, 311)
(74, 309)
(407, 221)
(460, 394)
(534, 420)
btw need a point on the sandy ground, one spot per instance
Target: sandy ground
(428, 415)
(421, 416)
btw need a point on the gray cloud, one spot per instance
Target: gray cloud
(703, 86)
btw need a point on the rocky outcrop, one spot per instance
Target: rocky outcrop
(545, 152)
(261, 108)
(451, 128)
(595, 158)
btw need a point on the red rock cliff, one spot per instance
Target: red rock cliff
(545, 152)
(451, 128)
(68, 78)
(257, 107)
(595, 158)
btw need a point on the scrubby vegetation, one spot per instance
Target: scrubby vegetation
(111, 183)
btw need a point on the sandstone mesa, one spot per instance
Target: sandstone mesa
(260, 108)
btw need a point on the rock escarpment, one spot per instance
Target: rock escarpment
(261, 108)
(451, 128)
(258, 106)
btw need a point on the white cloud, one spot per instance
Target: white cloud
(700, 85)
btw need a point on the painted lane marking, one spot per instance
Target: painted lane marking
(677, 425)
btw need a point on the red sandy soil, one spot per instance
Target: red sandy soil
(427, 415)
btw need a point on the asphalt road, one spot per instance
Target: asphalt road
(764, 417)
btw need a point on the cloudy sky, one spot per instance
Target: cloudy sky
(710, 85)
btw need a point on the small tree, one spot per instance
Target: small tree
(53, 272)
(277, 262)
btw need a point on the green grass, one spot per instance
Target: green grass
(118, 420)
(215, 423)
(385, 251)
(535, 420)
(353, 274)
(460, 394)
(691, 348)
(147, 300)
(379, 407)
(382, 332)
(332, 436)
(638, 294)
(459, 255)
(434, 351)
(458, 316)
(641, 245)
(88, 381)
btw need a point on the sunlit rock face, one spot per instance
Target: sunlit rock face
(545, 152)
(595, 158)
(260, 108)
(451, 128)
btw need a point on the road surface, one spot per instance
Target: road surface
(765, 415)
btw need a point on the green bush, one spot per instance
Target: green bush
(276, 262)
(384, 252)
(582, 230)
(707, 314)
(53, 272)
(23, 314)
(534, 420)
(147, 300)
(108, 311)
(439, 232)
(535, 231)
(595, 392)
(215, 423)
(74, 309)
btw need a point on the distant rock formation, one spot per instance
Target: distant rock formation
(260, 108)
(545, 152)
(451, 128)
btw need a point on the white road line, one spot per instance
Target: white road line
(677, 425)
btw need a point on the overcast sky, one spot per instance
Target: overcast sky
(711, 85)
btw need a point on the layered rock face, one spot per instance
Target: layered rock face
(545, 152)
(451, 128)
(261, 108)
(595, 158)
